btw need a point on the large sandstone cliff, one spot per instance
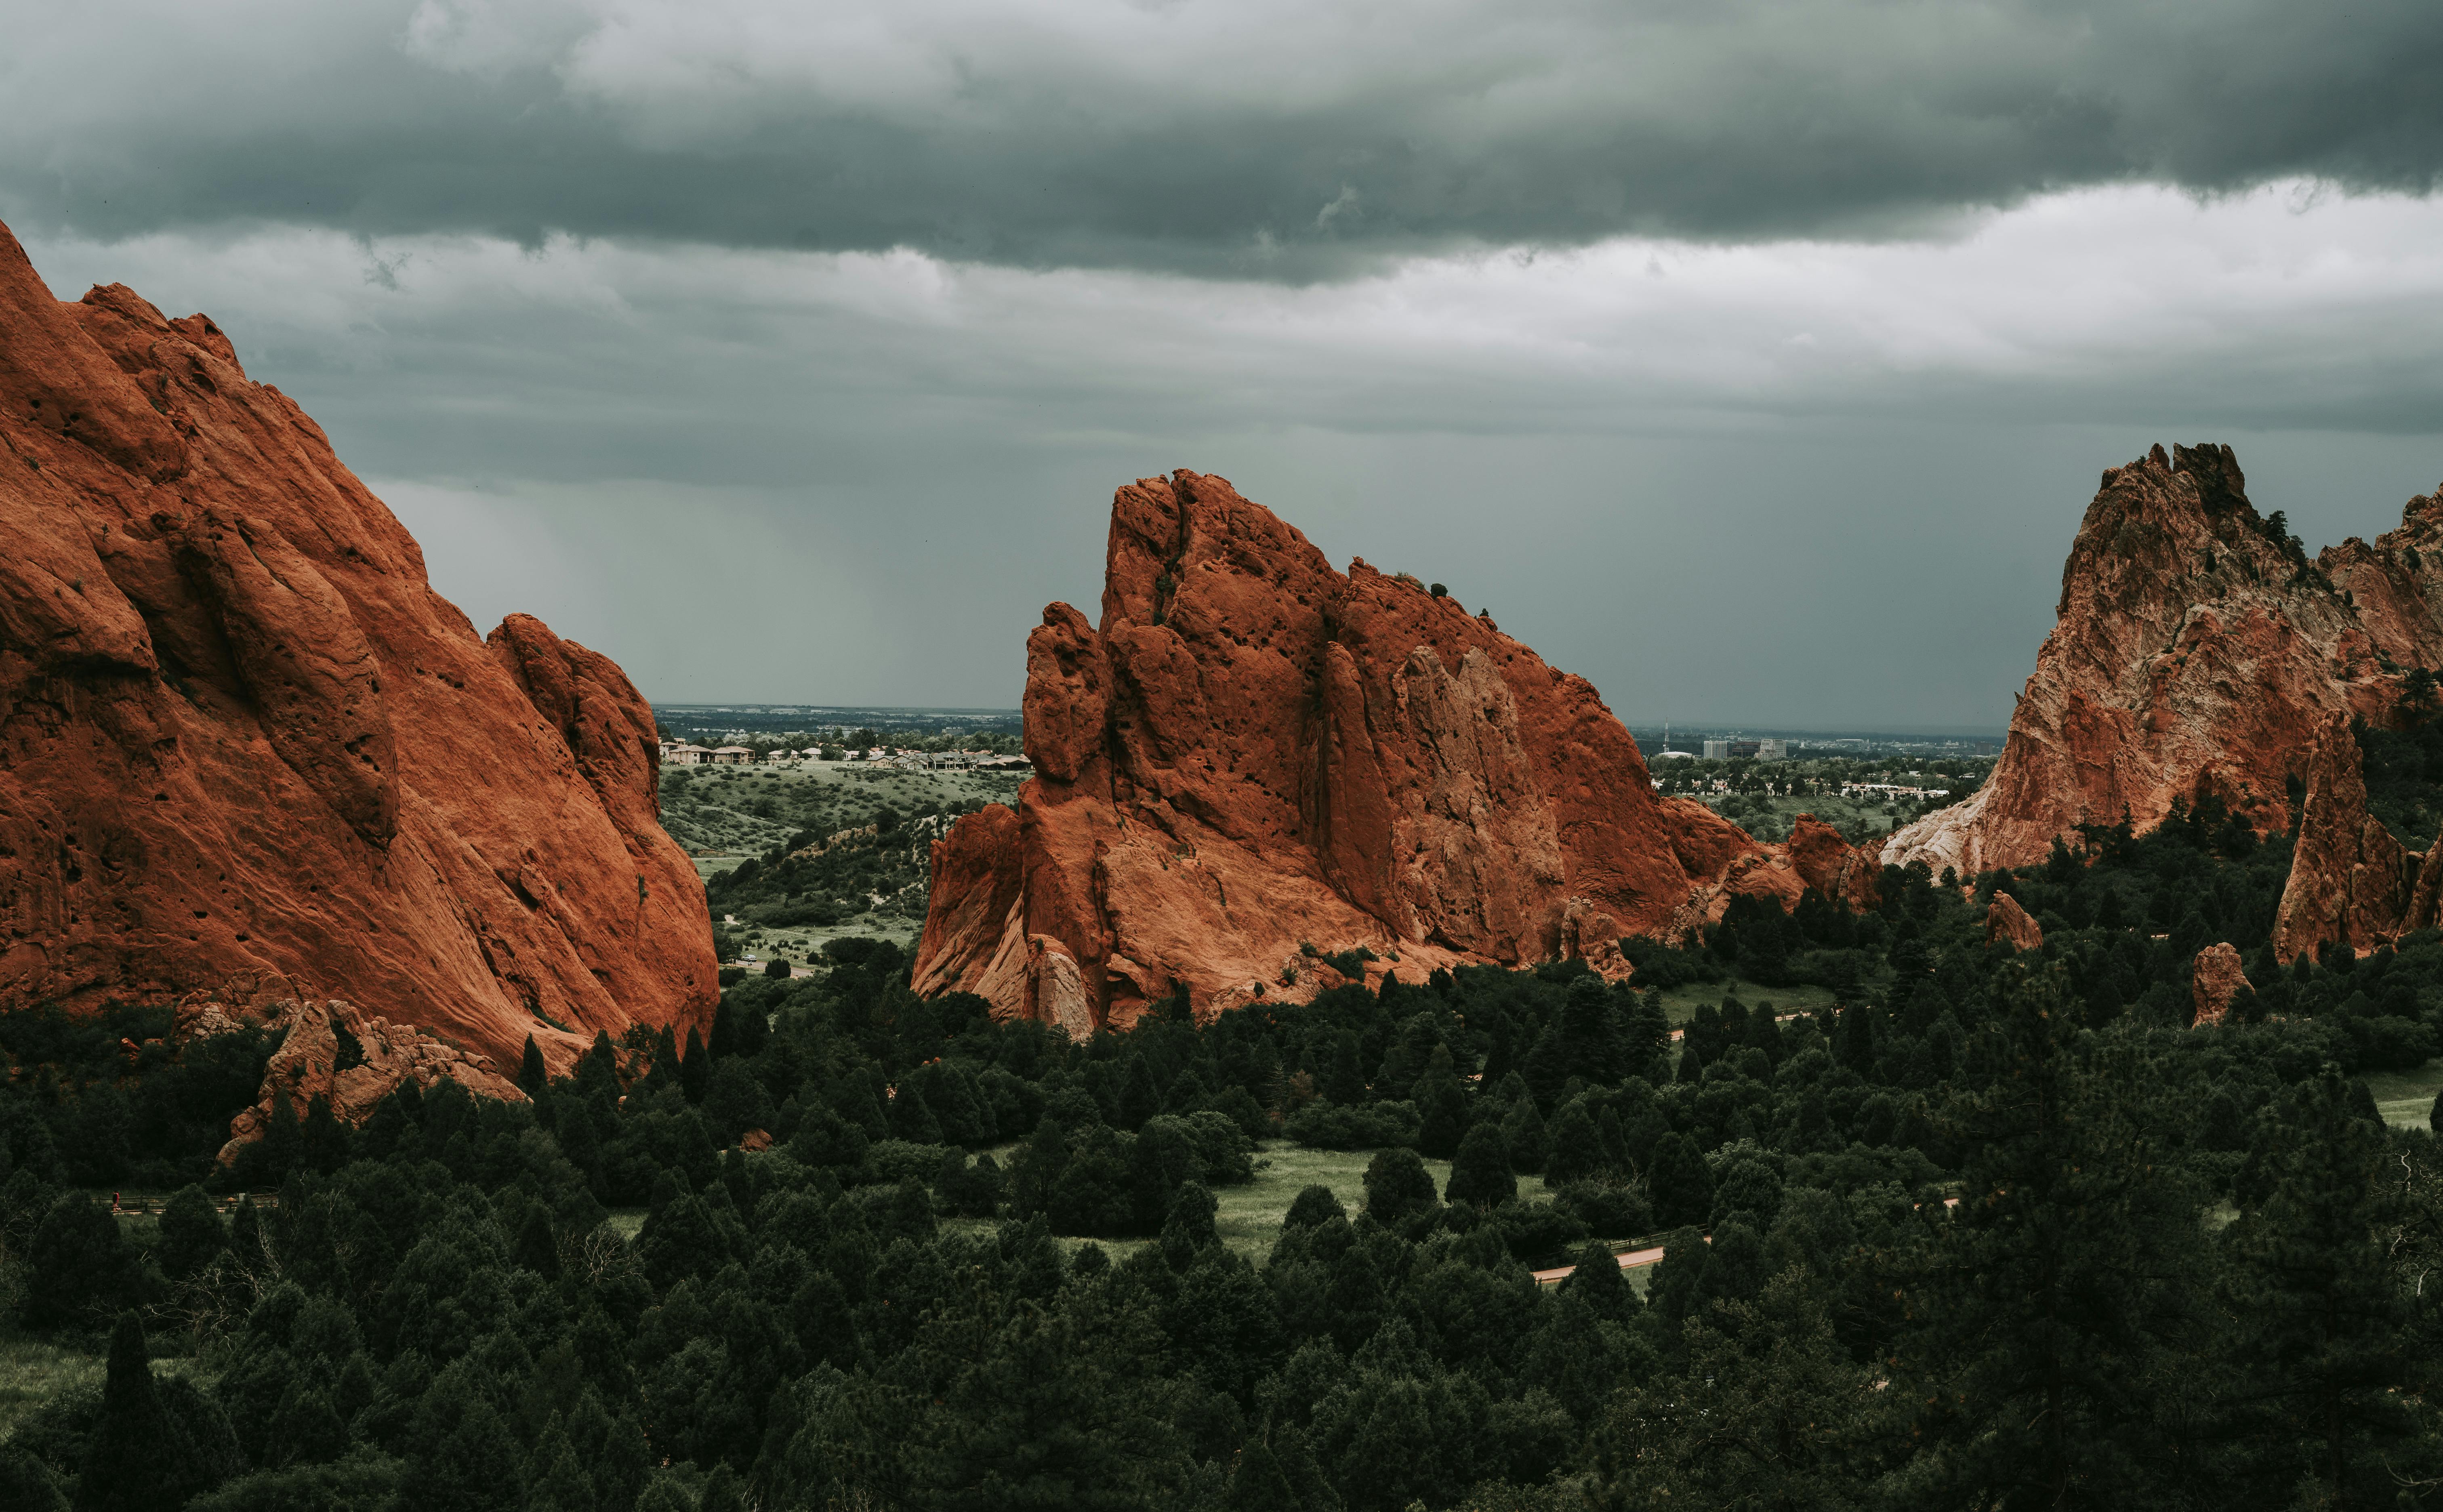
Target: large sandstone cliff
(1254, 754)
(241, 736)
(2197, 651)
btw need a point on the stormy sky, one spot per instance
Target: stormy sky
(1755, 359)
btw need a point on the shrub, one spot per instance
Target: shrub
(1324, 1125)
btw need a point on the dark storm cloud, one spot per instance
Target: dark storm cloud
(1251, 139)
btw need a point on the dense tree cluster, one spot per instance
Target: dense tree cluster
(1997, 1231)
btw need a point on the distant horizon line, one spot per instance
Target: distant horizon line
(1716, 728)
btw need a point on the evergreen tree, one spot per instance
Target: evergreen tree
(1140, 1099)
(695, 1068)
(533, 1077)
(190, 1235)
(136, 1460)
(1574, 1149)
(1256, 1484)
(1769, 1414)
(2323, 1386)
(1313, 1207)
(79, 1262)
(1481, 1175)
(911, 1119)
(1441, 1106)
(1523, 1130)
(26, 1486)
(2052, 1323)
(1343, 1082)
(1682, 1185)
(1596, 1280)
(1397, 1187)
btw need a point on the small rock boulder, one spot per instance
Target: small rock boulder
(2006, 923)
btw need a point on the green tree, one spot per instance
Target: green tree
(1313, 1207)
(190, 1235)
(1681, 1185)
(1769, 1414)
(1344, 1083)
(2055, 1322)
(1481, 1175)
(1522, 1129)
(2323, 1386)
(137, 1458)
(1575, 1148)
(533, 1077)
(1398, 1186)
(79, 1264)
(1140, 1099)
(1441, 1106)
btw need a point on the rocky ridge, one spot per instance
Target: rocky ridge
(241, 736)
(2196, 650)
(1260, 777)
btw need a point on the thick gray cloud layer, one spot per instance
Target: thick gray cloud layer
(1284, 139)
(1753, 357)
(1807, 483)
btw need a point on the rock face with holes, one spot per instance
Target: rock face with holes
(1258, 777)
(241, 735)
(2198, 651)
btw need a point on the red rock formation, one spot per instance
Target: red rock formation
(1255, 753)
(2395, 584)
(2006, 923)
(2215, 981)
(243, 735)
(306, 1064)
(2193, 654)
(2350, 880)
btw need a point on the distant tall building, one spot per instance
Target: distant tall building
(1773, 750)
(1717, 751)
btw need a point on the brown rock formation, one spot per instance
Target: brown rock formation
(240, 734)
(1255, 753)
(2350, 880)
(306, 1064)
(2215, 981)
(2006, 923)
(2193, 654)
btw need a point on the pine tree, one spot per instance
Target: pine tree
(1481, 1175)
(1140, 1099)
(1523, 1130)
(1256, 1484)
(1397, 1187)
(78, 1263)
(2054, 1319)
(190, 1235)
(2325, 1382)
(1575, 1148)
(1681, 1185)
(533, 1077)
(1312, 1207)
(1441, 1106)
(695, 1068)
(1596, 1280)
(136, 1459)
(911, 1117)
(1343, 1082)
